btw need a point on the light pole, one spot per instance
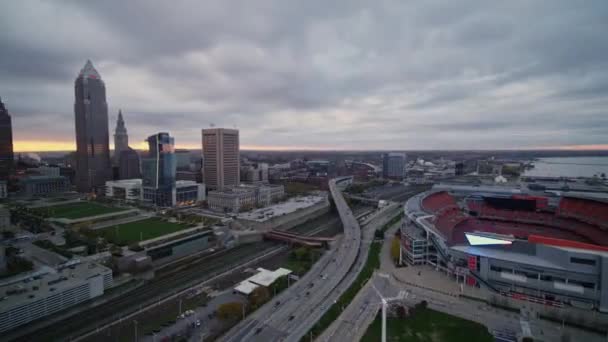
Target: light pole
(135, 323)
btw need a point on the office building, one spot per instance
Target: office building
(221, 164)
(6, 143)
(93, 167)
(129, 164)
(33, 186)
(158, 171)
(121, 138)
(393, 165)
(51, 291)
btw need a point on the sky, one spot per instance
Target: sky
(340, 74)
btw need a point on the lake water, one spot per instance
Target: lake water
(569, 167)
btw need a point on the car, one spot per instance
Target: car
(307, 293)
(277, 303)
(292, 317)
(258, 330)
(198, 323)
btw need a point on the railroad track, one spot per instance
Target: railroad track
(145, 295)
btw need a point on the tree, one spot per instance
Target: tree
(301, 253)
(259, 296)
(395, 249)
(232, 310)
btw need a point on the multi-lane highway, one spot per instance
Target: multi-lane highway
(291, 314)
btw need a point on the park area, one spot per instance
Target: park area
(428, 325)
(77, 210)
(151, 228)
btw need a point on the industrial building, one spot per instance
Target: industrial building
(36, 295)
(546, 250)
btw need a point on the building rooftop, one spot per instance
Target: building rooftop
(264, 278)
(501, 254)
(18, 291)
(283, 208)
(134, 181)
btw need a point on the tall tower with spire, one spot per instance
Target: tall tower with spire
(6, 143)
(121, 138)
(93, 166)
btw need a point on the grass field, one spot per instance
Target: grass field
(78, 210)
(145, 229)
(428, 326)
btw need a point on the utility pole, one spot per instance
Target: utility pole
(180, 307)
(135, 323)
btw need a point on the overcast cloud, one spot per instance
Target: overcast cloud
(317, 74)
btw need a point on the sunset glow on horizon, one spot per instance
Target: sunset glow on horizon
(59, 146)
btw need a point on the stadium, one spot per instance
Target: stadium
(539, 247)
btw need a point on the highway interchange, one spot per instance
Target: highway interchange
(290, 315)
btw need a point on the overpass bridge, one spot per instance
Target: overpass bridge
(297, 239)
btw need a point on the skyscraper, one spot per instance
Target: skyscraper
(92, 137)
(129, 167)
(6, 143)
(221, 163)
(393, 165)
(121, 138)
(158, 171)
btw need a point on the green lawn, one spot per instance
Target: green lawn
(428, 326)
(78, 210)
(144, 229)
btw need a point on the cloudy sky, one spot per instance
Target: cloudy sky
(340, 74)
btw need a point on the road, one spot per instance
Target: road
(292, 313)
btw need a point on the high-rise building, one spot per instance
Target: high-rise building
(121, 138)
(6, 143)
(158, 171)
(129, 167)
(393, 165)
(92, 138)
(221, 164)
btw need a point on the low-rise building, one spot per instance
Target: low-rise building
(189, 192)
(32, 186)
(128, 190)
(131, 190)
(39, 294)
(244, 197)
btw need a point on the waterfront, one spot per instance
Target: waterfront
(569, 167)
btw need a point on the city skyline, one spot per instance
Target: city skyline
(362, 76)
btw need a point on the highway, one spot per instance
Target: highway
(293, 312)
